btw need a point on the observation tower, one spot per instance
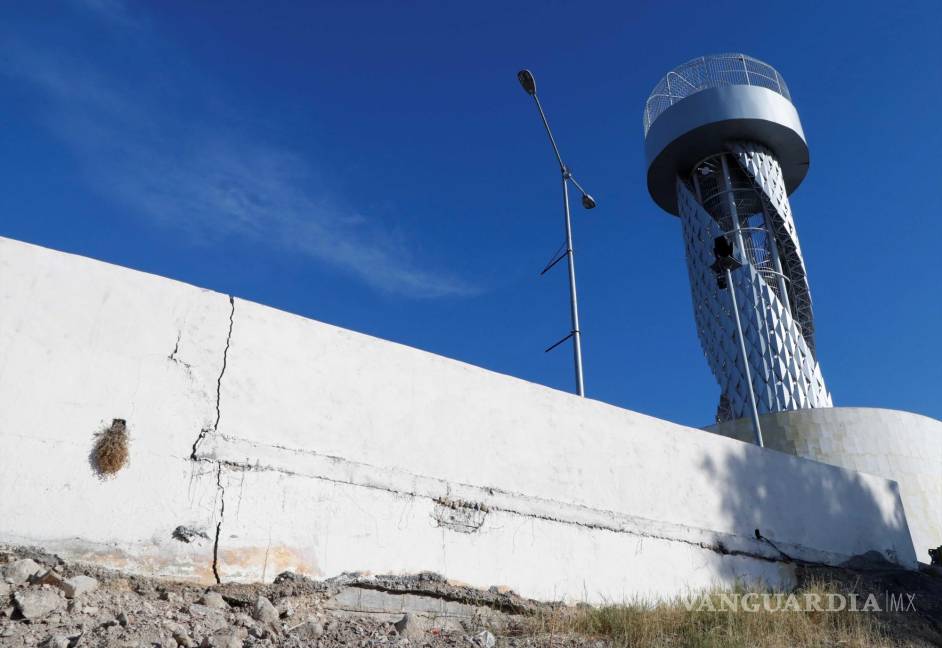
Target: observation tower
(724, 149)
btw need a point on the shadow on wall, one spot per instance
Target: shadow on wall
(901, 446)
(835, 510)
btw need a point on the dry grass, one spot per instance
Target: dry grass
(110, 453)
(671, 625)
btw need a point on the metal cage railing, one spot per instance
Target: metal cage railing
(710, 72)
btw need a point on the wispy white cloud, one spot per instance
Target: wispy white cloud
(208, 180)
(115, 11)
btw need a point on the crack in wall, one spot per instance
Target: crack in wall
(401, 483)
(717, 547)
(465, 514)
(173, 355)
(222, 513)
(176, 347)
(225, 359)
(194, 456)
(459, 515)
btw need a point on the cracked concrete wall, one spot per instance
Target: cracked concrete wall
(901, 446)
(82, 343)
(274, 442)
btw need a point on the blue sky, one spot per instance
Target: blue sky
(376, 166)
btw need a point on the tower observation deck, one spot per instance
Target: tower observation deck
(725, 148)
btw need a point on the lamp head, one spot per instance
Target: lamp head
(588, 201)
(525, 77)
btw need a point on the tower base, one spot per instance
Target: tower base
(900, 446)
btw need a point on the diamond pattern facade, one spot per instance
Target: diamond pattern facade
(766, 172)
(771, 287)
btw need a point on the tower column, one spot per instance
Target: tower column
(725, 147)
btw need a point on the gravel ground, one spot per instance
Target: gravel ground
(47, 602)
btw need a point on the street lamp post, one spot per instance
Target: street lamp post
(529, 85)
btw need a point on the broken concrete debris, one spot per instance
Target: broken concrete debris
(78, 585)
(179, 635)
(412, 627)
(48, 577)
(459, 515)
(20, 571)
(58, 641)
(116, 610)
(308, 631)
(228, 638)
(47, 591)
(214, 600)
(264, 611)
(189, 534)
(33, 604)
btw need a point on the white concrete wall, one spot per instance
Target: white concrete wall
(292, 444)
(82, 343)
(901, 446)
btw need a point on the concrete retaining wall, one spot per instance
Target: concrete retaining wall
(262, 441)
(901, 446)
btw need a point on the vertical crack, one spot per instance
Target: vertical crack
(225, 359)
(206, 430)
(176, 347)
(222, 512)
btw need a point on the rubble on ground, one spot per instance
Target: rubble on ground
(45, 601)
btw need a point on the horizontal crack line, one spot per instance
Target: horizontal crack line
(245, 455)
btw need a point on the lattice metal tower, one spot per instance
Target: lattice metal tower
(725, 148)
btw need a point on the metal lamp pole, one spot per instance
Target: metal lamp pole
(723, 266)
(754, 411)
(529, 85)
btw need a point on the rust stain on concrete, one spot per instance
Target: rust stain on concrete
(264, 563)
(157, 562)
